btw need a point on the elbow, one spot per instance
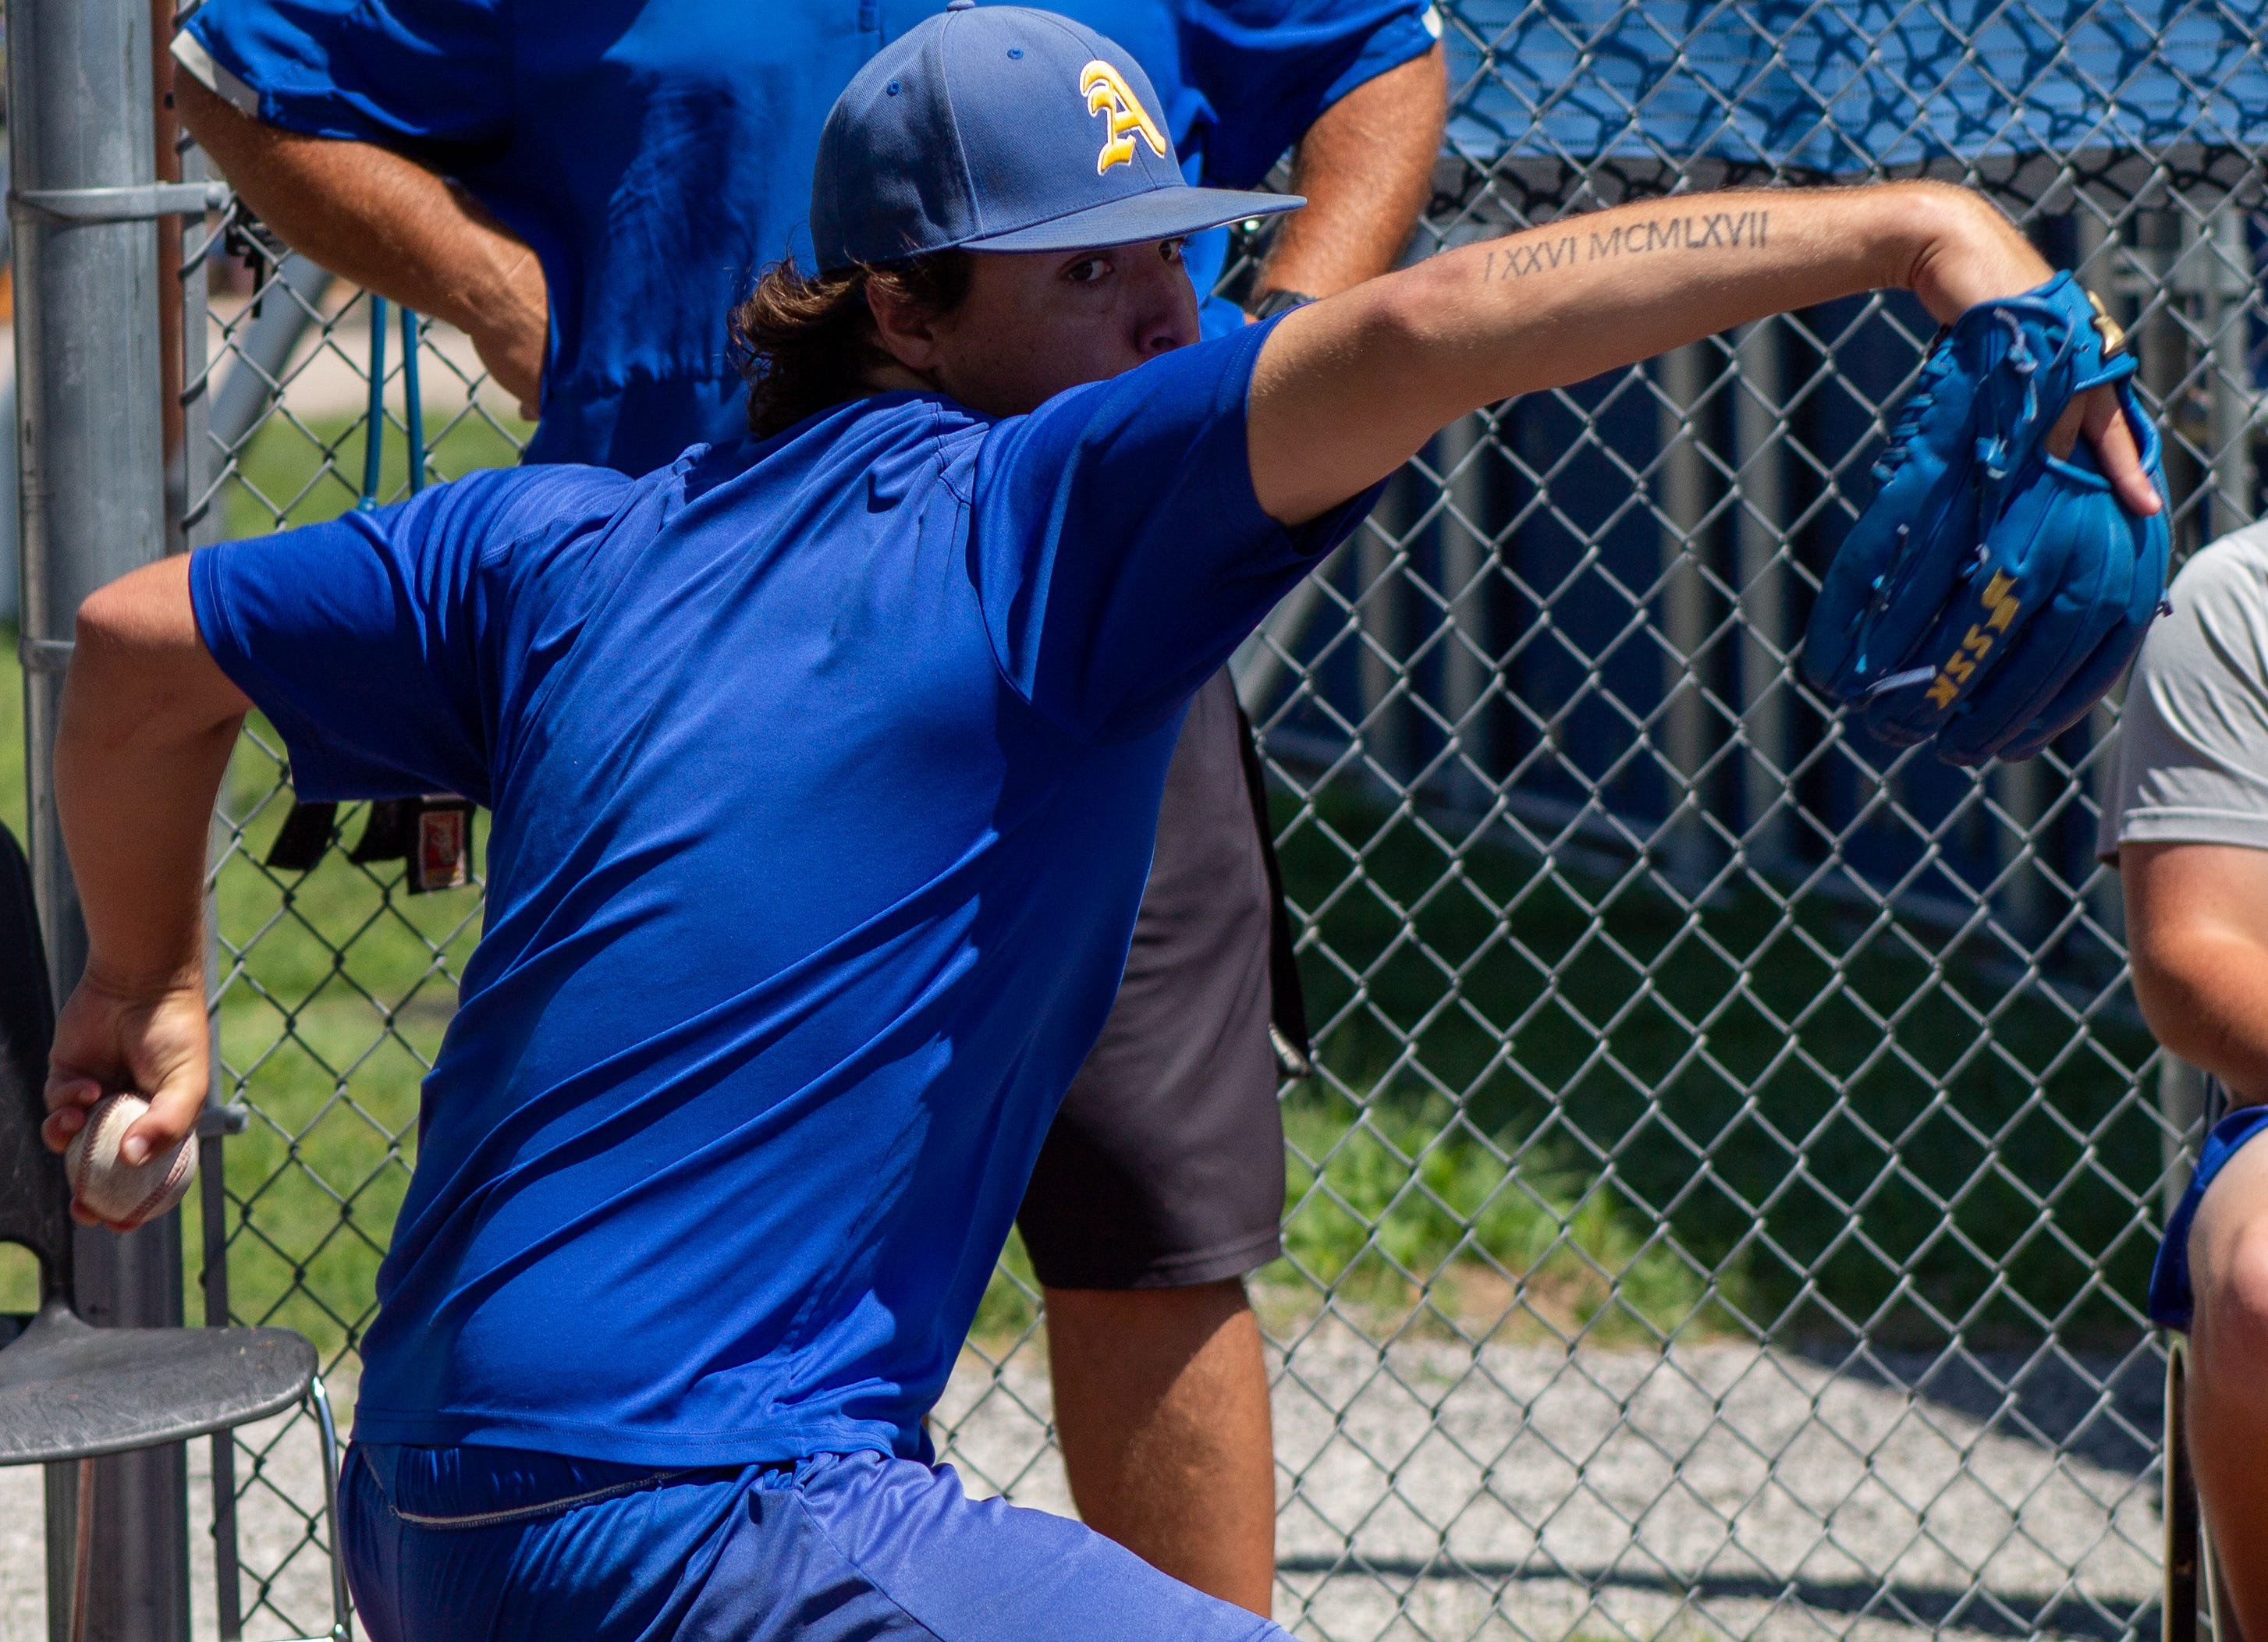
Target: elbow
(2169, 1008)
(2181, 987)
(102, 615)
(205, 115)
(1408, 333)
(139, 672)
(95, 713)
(103, 633)
(1407, 304)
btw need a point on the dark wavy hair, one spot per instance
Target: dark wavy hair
(806, 341)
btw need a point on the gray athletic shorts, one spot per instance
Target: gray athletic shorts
(1165, 1167)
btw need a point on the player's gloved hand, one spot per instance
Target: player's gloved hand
(1998, 584)
(1979, 256)
(154, 1039)
(2094, 417)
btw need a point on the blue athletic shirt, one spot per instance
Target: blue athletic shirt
(658, 154)
(825, 774)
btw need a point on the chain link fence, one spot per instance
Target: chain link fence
(1723, 1203)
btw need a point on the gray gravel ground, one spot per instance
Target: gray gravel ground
(1441, 1491)
(272, 1534)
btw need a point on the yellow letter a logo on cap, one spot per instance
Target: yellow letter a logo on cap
(1109, 93)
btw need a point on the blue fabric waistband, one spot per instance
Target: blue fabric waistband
(467, 1487)
(2172, 1304)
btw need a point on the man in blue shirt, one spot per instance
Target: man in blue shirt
(586, 190)
(616, 176)
(824, 769)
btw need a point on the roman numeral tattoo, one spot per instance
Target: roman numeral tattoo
(1699, 231)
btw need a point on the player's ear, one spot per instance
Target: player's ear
(905, 326)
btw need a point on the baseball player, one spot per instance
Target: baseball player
(2185, 819)
(824, 769)
(618, 176)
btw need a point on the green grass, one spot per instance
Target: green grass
(1409, 1202)
(1842, 1122)
(331, 1014)
(1555, 1103)
(303, 473)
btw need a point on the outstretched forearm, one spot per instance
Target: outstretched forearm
(388, 224)
(1350, 388)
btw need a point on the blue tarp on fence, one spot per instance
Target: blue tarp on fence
(1863, 84)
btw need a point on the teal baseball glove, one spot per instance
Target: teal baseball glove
(1992, 592)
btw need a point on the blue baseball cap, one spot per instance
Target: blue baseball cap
(1004, 129)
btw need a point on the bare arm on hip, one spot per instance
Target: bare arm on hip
(1348, 389)
(389, 224)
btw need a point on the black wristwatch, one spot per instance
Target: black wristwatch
(1269, 304)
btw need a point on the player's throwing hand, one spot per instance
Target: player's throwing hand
(111, 1039)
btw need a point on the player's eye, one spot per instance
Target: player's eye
(1171, 249)
(1087, 269)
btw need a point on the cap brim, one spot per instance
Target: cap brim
(1160, 214)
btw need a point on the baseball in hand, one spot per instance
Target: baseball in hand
(120, 1195)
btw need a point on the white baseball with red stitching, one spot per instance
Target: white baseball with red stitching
(121, 1195)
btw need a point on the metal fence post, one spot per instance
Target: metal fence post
(92, 503)
(1381, 553)
(1760, 438)
(2162, 349)
(2229, 398)
(1681, 490)
(1465, 652)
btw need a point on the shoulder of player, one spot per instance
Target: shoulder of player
(2219, 616)
(889, 445)
(2233, 566)
(507, 505)
(901, 439)
(2226, 579)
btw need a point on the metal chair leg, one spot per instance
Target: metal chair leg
(82, 1544)
(327, 1434)
(2184, 1525)
(342, 1614)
